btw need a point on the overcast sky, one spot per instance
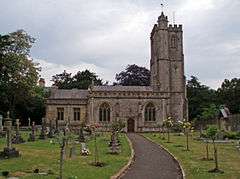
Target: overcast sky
(106, 35)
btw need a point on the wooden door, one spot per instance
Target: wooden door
(130, 125)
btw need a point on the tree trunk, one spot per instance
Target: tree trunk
(215, 155)
(187, 141)
(207, 150)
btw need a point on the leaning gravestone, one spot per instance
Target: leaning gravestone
(9, 151)
(43, 134)
(51, 131)
(32, 134)
(17, 139)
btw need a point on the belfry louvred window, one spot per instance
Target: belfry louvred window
(104, 112)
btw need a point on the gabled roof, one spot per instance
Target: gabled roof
(68, 94)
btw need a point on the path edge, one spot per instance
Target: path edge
(164, 148)
(122, 171)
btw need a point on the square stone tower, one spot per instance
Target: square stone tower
(167, 66)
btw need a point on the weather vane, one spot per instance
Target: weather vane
(162, 6)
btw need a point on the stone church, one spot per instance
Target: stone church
(142, 108)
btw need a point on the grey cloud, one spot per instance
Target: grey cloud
(111, 34)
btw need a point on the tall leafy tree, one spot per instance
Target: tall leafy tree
(199, 97)
(229, 94)
(81, 80)
(18, 73)
(133, 75)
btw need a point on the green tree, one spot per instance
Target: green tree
(81, 80)
(212, 132)
(187, 128)
(62, 80)
(168, 123)
(208, 113)
(199, 96)
(133, 76)
(229, 94)
(18, 72)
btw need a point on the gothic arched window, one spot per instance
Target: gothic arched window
(150, 112)
(104, 112)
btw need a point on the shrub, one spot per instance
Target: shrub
(231, 135)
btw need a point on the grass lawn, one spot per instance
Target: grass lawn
(45, 156)
(194, 167)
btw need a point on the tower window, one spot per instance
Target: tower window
(150, 112)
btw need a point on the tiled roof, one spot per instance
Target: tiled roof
(122, 88)
(68, 94)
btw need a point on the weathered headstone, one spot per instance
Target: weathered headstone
(72, 153)
(32, 134)
(51, 130)
(57, 127)
(9, 151)
(81, 137)
(17, 139)
(43, 134)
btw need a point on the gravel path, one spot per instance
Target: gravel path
(151, 162)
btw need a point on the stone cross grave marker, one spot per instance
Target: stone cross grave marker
(43, 130)
(17, 139)
(9, 151)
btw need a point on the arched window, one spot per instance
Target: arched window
(150, 112)
(104, 112)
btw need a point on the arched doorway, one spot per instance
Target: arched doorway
(130, 125)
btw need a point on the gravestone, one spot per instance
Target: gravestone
(17, 139)
(43, 134)
(57, 127)
(32, 134)
(81, 137)
(72, 152)
(9, 151)
(114, 144)
(51, 130)
(29, 122)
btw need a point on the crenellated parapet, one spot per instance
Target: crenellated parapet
(175, 28)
